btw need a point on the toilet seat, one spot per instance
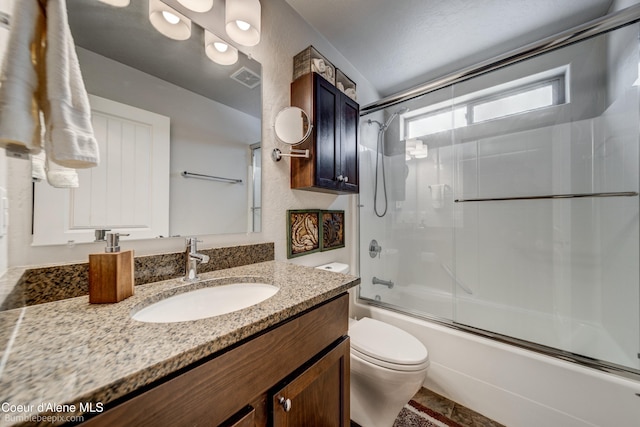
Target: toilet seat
(387, 346)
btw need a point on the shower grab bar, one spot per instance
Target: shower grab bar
(387, 283)
(551, 196)
(211, 177)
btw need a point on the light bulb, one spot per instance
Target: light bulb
(168, 21)
(170, 17)
(218, 50)
(221, 47)
(197, 5)
(242, 21)
(244, 26)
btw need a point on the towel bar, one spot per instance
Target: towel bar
(211, 177)
(551, 196)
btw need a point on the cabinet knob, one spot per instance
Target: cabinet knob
(346, 179)
(340, 178)
(286, 403)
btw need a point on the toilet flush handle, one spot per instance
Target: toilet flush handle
(286, 403)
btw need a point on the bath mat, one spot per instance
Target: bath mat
(416, 415)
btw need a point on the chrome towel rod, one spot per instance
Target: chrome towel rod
(211, 177)
(552, 196)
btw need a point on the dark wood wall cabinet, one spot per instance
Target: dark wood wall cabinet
(333, 144)
(295, 374)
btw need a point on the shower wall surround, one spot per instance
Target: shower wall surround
(560, 273)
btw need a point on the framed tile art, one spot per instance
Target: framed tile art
(332, 230)
(303, 232)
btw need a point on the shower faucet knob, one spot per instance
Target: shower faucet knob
(374, 249)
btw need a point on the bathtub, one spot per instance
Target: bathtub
(512, 385)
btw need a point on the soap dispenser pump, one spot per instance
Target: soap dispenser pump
(111, 275)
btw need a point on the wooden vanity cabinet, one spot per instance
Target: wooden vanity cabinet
(304, 360)
(316, 396)
(333, 144)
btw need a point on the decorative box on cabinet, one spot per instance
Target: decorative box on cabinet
(312, 61)
(333, 144)
(346, 85)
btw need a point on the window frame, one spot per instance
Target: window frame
(556, 78)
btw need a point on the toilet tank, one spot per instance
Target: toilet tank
(336, 267)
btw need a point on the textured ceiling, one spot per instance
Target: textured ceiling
(398, 44)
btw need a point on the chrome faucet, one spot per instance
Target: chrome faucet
(193, 258)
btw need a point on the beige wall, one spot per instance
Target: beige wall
(5, 7)
(284, 35)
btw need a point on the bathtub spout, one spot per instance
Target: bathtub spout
(387, 283)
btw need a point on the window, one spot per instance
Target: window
(520, 96)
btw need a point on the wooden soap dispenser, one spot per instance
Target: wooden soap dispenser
(111, 273)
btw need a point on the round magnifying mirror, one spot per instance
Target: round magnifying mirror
(292, 125)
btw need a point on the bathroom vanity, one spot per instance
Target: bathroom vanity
(294, 374)
(280, 362)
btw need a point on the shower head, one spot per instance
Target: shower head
(393, 116)
(383, 127)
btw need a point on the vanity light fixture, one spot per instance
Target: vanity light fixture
(197, 5)
(116, 3)
(218, 50)
(242, 21)
(168, 21)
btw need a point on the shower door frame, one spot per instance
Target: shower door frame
(605, 24)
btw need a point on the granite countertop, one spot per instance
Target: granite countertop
(70, 352)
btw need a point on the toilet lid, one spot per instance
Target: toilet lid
(386, 343)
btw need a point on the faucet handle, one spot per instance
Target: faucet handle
(192, 244)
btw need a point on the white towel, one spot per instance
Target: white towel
(69, 137)
(20, 92)
(61, 177)
(57, 176)
(318, 65)
(38, 172)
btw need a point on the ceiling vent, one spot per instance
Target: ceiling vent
(246, 77)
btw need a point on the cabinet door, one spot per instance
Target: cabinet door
(319, 396)
(327, 128)
(348, 168)
(244, 418)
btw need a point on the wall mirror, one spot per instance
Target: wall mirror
(292, 125)
(210, 113)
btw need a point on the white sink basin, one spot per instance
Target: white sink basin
(205, 302)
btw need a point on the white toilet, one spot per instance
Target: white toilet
(388, 366)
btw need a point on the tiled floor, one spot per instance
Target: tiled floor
(458, 413)
(461, 415)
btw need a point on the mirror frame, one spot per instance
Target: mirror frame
(283, 125)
